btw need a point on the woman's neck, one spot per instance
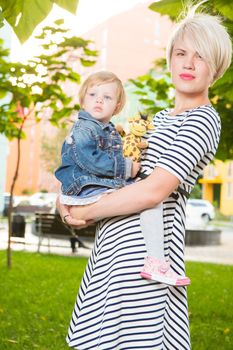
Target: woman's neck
(183, 103)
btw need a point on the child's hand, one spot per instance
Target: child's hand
(135, 168)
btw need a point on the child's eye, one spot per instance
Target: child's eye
(106, 97)
(92, 94)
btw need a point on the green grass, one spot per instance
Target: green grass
(36, 299)
(37, 296)
(210, 299)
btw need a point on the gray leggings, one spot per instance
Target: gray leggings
(152, 230)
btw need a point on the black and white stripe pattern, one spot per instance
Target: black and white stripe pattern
(116, 309)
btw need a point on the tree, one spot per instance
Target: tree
(154, 89)
(51, 150)
(221, 93)
(25, 15)
(37, 86)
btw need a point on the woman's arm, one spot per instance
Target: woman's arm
(128, 200)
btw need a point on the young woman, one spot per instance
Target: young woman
(115, 307)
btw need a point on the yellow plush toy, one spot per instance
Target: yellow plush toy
(133, 142)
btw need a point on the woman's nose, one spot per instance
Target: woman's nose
(189, 63)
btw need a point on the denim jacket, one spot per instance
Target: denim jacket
(92, 155)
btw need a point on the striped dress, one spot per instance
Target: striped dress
(116, 309)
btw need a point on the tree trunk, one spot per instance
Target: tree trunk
(10, 211)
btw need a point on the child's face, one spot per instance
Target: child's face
(101, 101)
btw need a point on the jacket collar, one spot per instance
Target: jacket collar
(87, 116)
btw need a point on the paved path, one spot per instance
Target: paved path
(222, 254)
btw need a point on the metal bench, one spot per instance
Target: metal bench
(51, 226)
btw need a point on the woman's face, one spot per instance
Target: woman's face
(190, 73)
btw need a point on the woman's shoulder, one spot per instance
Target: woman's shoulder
(205, 112)
(200, 113)
(161, 115)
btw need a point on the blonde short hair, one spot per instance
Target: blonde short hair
(209, 38)
(104, 77)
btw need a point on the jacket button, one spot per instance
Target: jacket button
(69, 140)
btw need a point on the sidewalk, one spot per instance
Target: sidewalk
(222, 254)
(57, 246)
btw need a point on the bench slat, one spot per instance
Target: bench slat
(51, 226)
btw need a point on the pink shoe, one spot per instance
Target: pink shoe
(161, 271)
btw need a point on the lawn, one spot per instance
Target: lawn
(37, 296)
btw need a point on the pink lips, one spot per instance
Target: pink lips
(98, 109)
(186, 76)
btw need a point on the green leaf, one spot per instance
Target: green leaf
(58, 22)
(137, 83)
(90, 52)
(25, 15)
(32, 13)
(74, 42)
(75, 77)
(147, 102)
(140, 92)
(70, 5)
(172, 8)
(86, 63)
(1, 19)
(3, 93)
(225, 8)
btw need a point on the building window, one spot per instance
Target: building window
(157, 29)
(104, 41)
(230, 169)
(229, 190)
(104, 37)
(103, 57)
(212, 171)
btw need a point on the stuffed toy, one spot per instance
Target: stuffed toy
(133, 142)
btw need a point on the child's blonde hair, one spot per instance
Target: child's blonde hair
(209, 38)
(104, 77)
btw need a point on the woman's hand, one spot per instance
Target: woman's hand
(66, 215)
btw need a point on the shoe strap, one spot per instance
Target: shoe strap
(164, 267)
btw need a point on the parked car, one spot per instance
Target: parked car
(6, 202)
(199, 212)
(43, 199)
(40, 201)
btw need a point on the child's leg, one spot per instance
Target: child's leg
(155, 267)
(152, 229)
